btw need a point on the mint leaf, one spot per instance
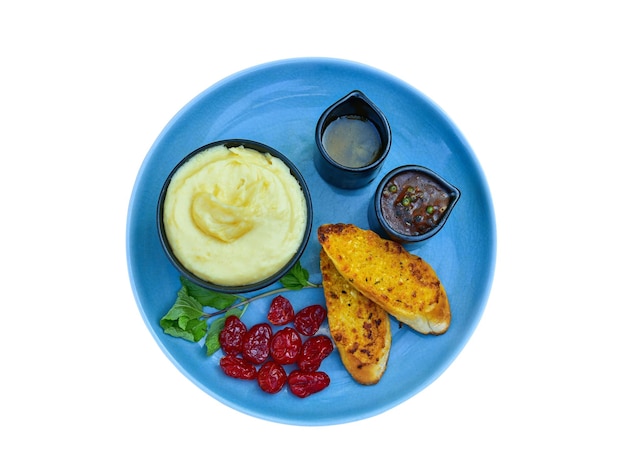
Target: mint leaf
(184, 319)
(212, 344)
(197, 329)
(296, 278)
(208, 298)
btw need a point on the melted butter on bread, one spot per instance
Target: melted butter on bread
(401, 283)
(360, 328)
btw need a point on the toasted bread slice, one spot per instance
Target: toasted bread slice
(403, 284)
(360, 328)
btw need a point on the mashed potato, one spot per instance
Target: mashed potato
(234, 216)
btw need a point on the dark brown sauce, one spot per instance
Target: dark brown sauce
(413, 203)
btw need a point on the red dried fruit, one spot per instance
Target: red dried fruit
(271, 377)
(281, 311)
(285, 346)
(231, 336)
(303, 384)
(256, 343)
(314, 351)
(236, 367)
(309, 319)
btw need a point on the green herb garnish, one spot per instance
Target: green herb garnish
(184, 319)
(208, 298)
(297, 278)
(187, 318)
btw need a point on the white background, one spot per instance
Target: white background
(537, 89)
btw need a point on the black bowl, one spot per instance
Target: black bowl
(411, 216)
(355, 106)
(239, 289)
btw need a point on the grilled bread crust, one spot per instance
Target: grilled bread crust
(360, 329)
(401, 283)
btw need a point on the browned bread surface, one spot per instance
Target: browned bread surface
(401, 283)
(360, 328)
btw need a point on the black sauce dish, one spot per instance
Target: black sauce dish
(411, 204)
(354, 121)
(260, 284)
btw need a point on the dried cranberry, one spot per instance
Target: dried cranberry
(302, 384)
(231, 336)
(236, 367)
(271, 377)
(285, 346)
(256, 343)
(309, 319)
(314, 351)
(281, 311)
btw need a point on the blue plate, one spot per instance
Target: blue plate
(279, 104)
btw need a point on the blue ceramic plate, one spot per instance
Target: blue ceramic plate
(279, 104)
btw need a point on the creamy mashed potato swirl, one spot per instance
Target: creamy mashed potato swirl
(234, 216)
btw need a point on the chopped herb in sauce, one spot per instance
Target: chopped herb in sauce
(413, 203)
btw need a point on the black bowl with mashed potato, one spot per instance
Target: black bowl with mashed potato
(234, 216)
